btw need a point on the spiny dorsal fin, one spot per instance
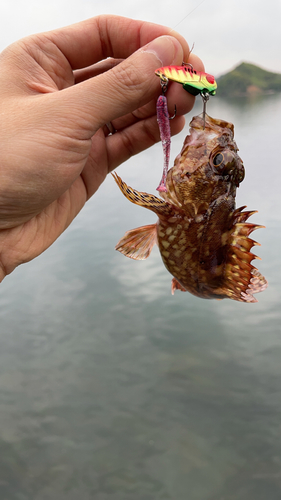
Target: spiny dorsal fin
(242, 278)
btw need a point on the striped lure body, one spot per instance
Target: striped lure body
(193, 81)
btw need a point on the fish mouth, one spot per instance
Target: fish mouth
(207, 130)
(209, 125)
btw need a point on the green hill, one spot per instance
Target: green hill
(247, 79)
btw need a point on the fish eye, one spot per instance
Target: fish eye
(228, 165)
(218, 160)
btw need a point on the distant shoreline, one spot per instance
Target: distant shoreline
(251, 93)
(248, 80)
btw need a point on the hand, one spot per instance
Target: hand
(55, 100)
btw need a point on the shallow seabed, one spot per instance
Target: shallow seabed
(111, 388)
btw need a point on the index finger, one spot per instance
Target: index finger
(90, 41)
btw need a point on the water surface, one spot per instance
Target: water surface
(111, 388)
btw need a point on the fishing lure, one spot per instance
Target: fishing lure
(165, 135)
(193, 81)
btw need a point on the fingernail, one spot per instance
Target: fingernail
(165, 48)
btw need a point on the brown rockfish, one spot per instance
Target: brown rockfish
(203, 239)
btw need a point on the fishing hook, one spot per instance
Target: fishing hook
(187, 64)
(205, 97)
(175, 113)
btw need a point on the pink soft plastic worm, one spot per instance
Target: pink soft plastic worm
(165, 134)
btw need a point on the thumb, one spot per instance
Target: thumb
(125, 87)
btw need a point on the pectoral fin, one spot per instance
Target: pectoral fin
(145, 200)
(138, 243)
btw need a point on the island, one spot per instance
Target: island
(248, 79)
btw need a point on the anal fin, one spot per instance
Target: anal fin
(177, 286)
(138, 243)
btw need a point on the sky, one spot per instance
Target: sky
(224, 32)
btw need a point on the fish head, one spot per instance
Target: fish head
(207, 168)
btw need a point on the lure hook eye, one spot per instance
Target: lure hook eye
(164, 83)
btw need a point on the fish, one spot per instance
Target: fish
(202, 237)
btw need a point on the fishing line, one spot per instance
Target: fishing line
(202, 1)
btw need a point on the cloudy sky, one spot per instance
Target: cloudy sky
(225, 32)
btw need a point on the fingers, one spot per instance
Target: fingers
(123, 89)
(90, 41)
(137, 138)
(120, 147)
(176, 95)
(196, 62)
(101, 94)
(96, 69)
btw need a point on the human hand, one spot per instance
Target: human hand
(55, 99)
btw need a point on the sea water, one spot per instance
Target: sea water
(112, 388)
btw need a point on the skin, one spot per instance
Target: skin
(56, 95)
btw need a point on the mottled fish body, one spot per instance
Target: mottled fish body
(203, 239)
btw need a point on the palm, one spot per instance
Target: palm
(29, 234)
(28, 231)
